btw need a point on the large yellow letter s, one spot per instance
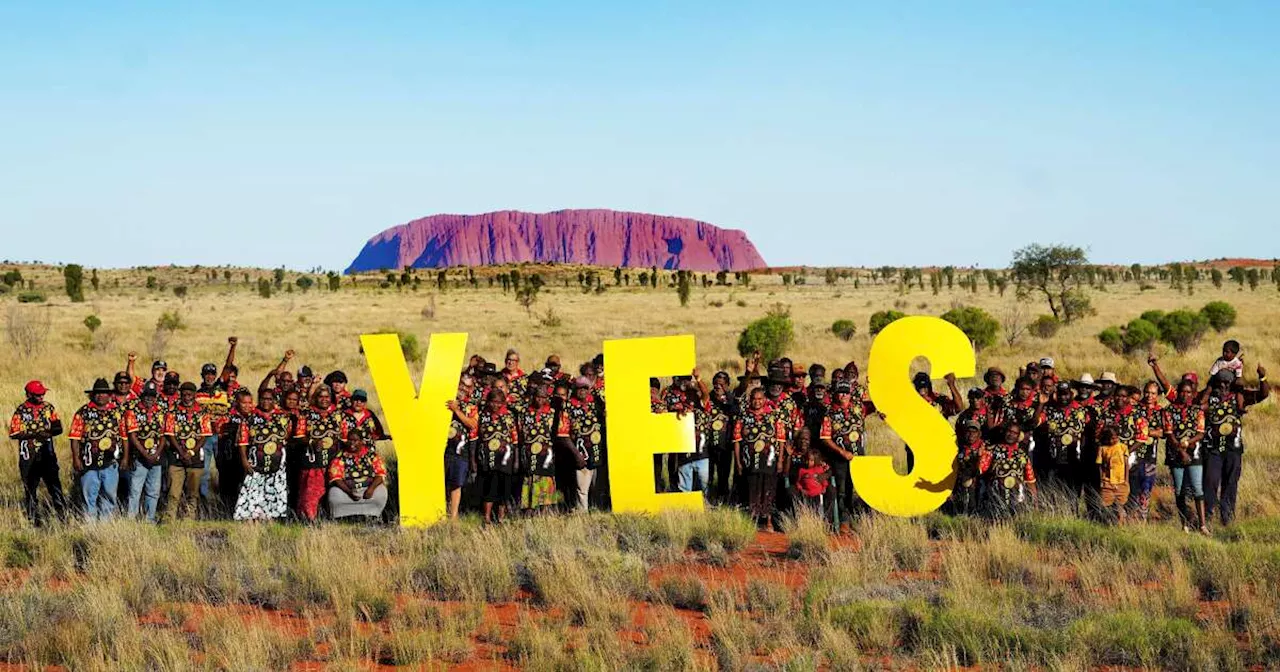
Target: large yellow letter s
(419, 423)
(931, 437)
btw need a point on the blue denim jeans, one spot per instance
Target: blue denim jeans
(701, 468)
(210, 447)
(99, 488)
(144, 482)
(1191, 477)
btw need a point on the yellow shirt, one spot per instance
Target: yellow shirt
(1115, 463)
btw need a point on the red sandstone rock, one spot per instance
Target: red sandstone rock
(596, 237)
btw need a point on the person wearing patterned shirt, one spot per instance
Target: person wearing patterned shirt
(146, 422)
(122, 390)
(842, 435)
(994, 379)
(1059, 438)
(657, 404)
(357, 479)
(1129, 422)
(322, 432)
(33, 426)
(214, 398)
(723, 409)
(1225, 405)
(537, 431)
(363, 422)
(186, 430)
(264, 494)
(168, 393)
(517, 381)
(99, 441)
(1184, 429)
(1007, 472)
(1142, 475)
(580, 425)
(459, 450)
(694, 468)
(337, 382)
(498, 455)
(966, 498)
(948, 406)
(231, 471)
(759, 437)
(979, 411)
(777, 398)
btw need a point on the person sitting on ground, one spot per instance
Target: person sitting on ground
(1113, 470)
(357, 482)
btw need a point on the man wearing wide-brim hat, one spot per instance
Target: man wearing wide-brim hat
(995, 378)
(98, 442)
(33, 426)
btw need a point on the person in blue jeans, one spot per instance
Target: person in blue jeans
(696, 465)
(98, 443)
(1184, 429)
(146, 425)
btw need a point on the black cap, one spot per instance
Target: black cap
(921, 379)
(305, 372)
(123, 377)
(172, 377)
(843, 387)
(187, 387)
(359, 395)
(209, 370)
(159, 364)
(335, 377)
(150, 392)
(654, 383)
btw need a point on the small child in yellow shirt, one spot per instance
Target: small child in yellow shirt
(1113, 466)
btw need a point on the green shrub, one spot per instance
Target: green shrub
(770, 335)
(1183, 329)
(92, 323)
(408, 343)
(31, 297)
(1045, 326)
(1220, 314)
(73, 276)
(979, 326)
(170, 322)
(1153, 316)
(180, 291)
(844, 329)
(882, 319)
(1113, 339)
(1140, 335)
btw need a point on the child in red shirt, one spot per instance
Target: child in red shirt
(812, 481)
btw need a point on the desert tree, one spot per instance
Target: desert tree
(73, 278)
(1056, 272)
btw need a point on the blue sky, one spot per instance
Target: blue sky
(834, 133)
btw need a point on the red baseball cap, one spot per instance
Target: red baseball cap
(36, 387)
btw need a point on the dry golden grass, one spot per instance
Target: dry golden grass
(1044, 591)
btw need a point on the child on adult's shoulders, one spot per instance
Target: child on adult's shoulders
(1231, 360)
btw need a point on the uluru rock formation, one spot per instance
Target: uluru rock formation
(595, 237)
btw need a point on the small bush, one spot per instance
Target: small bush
(1045, 326)
(1220, 314)
(1153, 316)
(1113, 339)
(979, 326)
(1139, 336)
(92, 323)
(31, 297)
(770, 335)
(844, 329)
(684, 592)
(1183, 329)
(180, 291)
(881, 319)
(170, 322)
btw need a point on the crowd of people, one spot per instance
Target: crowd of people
(777, 437)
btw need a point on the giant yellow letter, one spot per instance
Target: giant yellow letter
(635, 433)
(931, 437)
(419, 423)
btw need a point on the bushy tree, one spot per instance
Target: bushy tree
(1056, 272)
(881, 319)
(844, 329)
(770, 335)
(264, 288)
(1153, 316)
(180, 291)
(73, 276)
(305, 282)
(682, 288)
(1220, 314)
(976, 323)
(1183, 329)
(92, 323)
